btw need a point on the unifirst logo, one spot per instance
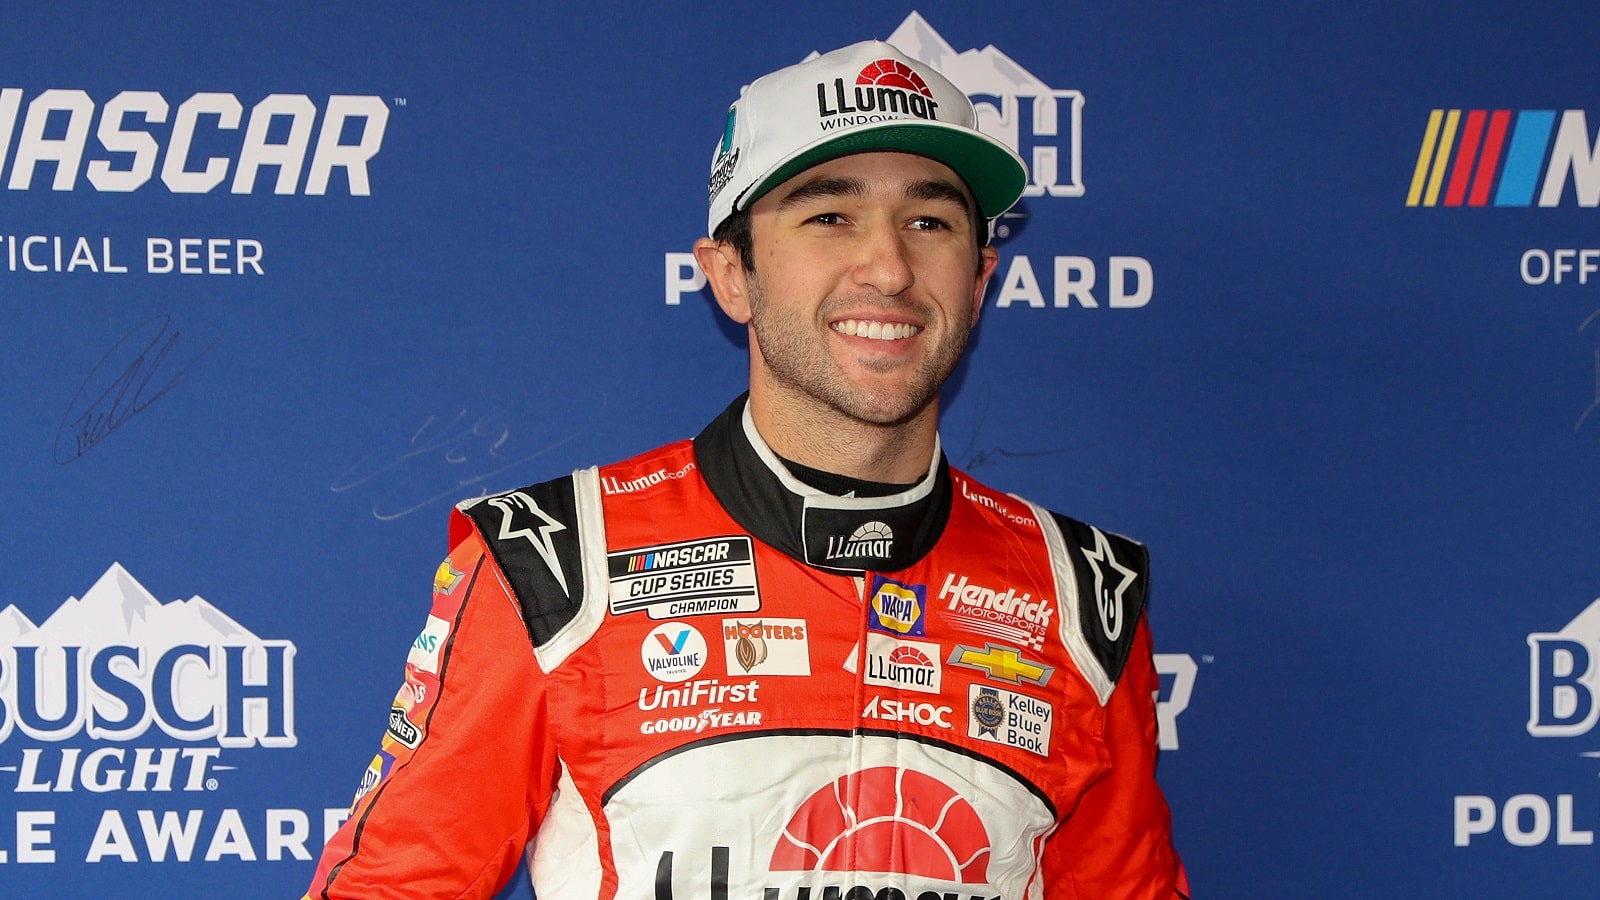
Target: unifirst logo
(1499, 158)
(1564, 678)
(277, 135)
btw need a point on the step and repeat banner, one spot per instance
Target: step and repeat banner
(1306, 298)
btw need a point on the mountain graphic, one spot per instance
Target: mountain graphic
(986, 71)
(118, 610)
(1586, 625)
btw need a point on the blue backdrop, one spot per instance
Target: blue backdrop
(1304, 297)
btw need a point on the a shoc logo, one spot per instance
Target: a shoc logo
(198, 151)
(1564, 677)
(117, 664)
(1505, 158)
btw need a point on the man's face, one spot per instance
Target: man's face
(866, 283)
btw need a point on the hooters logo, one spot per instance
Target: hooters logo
(888, 820)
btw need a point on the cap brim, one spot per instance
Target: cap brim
(991, 170)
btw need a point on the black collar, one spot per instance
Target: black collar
(842, 534)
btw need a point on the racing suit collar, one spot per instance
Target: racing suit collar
(850, 535)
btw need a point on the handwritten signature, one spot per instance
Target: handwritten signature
(106, 401)
(1578, 426)
(973, 458)
(406, 476)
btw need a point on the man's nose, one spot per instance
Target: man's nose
(885, 263)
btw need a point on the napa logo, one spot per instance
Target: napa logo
(899, 609)
(1509, 158)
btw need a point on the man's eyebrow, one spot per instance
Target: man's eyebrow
(822, 189)
(931, 189)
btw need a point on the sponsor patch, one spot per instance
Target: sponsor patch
(908, 811)
(1001, 664)
(673, 652)
(766, 646)
(376, 771)
(999, 716)
(691, 578)
(892, 710)
(898, 609)
(907, 665)
(715, 696)
(1002, 614)
(402, 729)
(870, 540)
(445, 578)
(425, 649)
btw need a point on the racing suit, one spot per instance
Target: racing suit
(689, 676)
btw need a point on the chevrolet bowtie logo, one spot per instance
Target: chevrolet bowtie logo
(1001, 663)
(445, 578)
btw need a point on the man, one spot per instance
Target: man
(799, 656)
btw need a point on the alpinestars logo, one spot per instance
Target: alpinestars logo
(1111, 579)
(1565, 677)
(115, 665)
(521, 517)
(887, 820)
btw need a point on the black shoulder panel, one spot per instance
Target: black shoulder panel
(533, 534)
(1113, 574)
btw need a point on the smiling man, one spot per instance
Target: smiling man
(799, 656)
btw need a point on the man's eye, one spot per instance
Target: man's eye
(827, 218)
(929, 223)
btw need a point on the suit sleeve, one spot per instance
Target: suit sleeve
(1117, 842)
(465, 772)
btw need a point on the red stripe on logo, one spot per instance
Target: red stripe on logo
(1465, 156)
(1489, 160)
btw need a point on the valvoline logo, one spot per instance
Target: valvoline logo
(1501, 158)
(898, 609)
(887, 820)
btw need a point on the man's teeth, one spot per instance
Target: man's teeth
(878, 331)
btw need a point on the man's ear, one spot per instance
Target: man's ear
(988, 259)
(725, 271)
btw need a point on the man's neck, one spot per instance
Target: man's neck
(833, 442)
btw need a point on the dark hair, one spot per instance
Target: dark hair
(735, 231)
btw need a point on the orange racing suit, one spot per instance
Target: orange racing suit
(690, 676)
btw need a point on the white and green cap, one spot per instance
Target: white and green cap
(864, 97)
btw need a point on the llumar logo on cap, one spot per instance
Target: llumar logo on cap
(885, 89)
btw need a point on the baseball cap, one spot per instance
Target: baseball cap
(864, 97)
